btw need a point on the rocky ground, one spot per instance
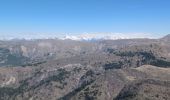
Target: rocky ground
(52, 69)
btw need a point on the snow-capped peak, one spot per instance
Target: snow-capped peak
(78, 37)
(104, 36)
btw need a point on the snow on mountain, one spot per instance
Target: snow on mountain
(104, 36)
(78, 37)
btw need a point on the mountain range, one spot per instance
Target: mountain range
(85, 68)
(78, 37)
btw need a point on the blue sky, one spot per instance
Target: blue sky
(19, 17)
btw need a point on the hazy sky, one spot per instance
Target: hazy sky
(78, 16)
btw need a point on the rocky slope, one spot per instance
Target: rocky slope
(77, 70)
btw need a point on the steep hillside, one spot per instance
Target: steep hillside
(52, 69)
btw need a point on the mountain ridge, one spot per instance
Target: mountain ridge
(53, 69)
(82, 37)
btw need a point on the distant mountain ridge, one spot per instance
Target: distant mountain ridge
(91, 38)
(78, 37)
(107, 36)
